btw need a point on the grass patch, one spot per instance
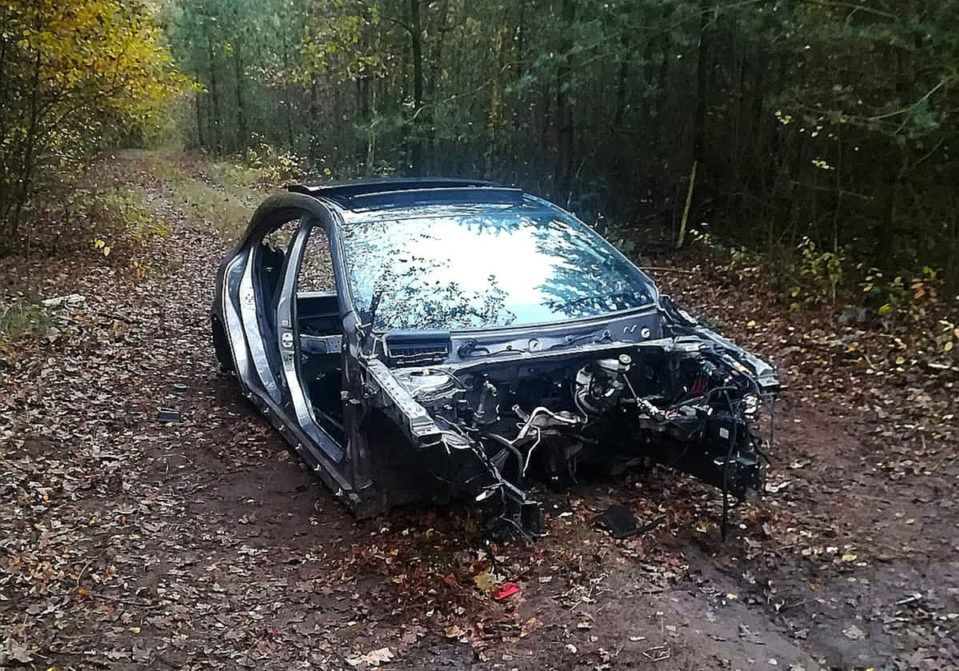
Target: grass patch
(112, 218)
(121, 211)
(227, 207)
(240, 180)
(19, 321)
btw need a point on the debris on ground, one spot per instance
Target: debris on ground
(373, 658)
(854, 633)
(69, 299)
(504, 590)
(169, 416)
(620, 522)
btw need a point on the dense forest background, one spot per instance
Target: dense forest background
(820, 134)
(149, 516)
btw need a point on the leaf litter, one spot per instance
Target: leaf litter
(130, 541)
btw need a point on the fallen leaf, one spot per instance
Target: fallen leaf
(854, 633)
(373, 658)
(484, 581)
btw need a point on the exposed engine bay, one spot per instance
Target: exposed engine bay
(500, 425)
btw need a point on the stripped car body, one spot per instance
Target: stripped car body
(477, 338)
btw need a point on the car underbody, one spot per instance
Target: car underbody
(389, 416)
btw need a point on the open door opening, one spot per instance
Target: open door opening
(268, 260)
(320, 331)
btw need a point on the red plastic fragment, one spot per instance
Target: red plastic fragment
(505, 590)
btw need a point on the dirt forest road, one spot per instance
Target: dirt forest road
(130, 543)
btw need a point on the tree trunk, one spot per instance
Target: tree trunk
(622, 78)
(363, 91)
(216, 132)
(495, 115)
(371, 132)
(4, 84)
(314, 120)
(416, 48)
(4, 173)
(565, 128)
(520, 64)
(242, 135)
(436, 63)
(699, 118)
(519, 68)
(26, 171)
(201, 142)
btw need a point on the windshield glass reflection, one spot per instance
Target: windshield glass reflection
(465, 269)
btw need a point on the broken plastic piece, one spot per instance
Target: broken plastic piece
(621, 523)
(169, 416)
(505, 590)
(69, 299)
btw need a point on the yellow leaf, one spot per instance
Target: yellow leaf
(948, 346)
(484, 581)
(849, 557)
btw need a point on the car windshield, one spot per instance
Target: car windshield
(465, 269)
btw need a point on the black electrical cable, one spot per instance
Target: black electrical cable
(705, 398)
(772, 437)
(729, 454)
(772, 421)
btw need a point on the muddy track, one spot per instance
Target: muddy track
(131, 543)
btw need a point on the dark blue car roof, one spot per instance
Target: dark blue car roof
(404, 192)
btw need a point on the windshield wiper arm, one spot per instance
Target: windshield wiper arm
(471, 348)
(593, 339)
(374, 305)
(366, 329)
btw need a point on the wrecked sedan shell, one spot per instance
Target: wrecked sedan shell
(474, 338)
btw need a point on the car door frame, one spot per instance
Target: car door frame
(278, 389)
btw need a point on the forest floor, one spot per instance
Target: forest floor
(130, 543)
